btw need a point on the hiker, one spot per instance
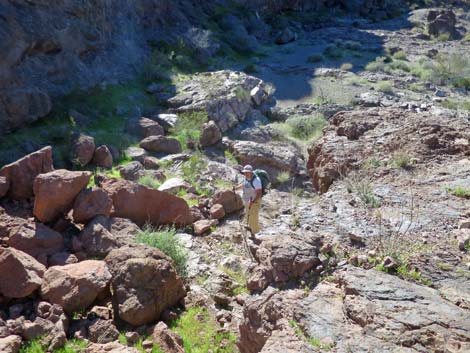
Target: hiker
(252, 196)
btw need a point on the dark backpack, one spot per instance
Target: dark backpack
(264, 177)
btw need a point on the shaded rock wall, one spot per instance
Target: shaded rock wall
(53, 47)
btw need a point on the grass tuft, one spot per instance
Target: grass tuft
(167, 241)
(460, 191)
(201, 334)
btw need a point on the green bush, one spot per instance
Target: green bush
(201, 334)
(167, 241)
(188, 128)
(192, 169)
(460, 191)
(375, 66)
(385, 87)
(283, 177)
(401, 159)
(361, 185)
(346, 66)
(400, 55)
(315, 58)
(306, 127)
(333, 52)
(150, 181)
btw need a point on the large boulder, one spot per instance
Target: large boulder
(274, 157)
(173, 185)
(224, 95)
(141, 204)
(55, 193)
(21, 174)
(103, 157)
(90, 203)
(210, 134)
(161, 144)
(97, 240)
(167, 340)
(10, 344)
(21, 274)
(83, 149)
(30, 237)
(144, 283)
(76, 286)
(230, 200)
(132, 171)
(145, 127)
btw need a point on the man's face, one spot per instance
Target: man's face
(248, 175)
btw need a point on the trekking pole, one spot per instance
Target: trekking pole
(243, 231)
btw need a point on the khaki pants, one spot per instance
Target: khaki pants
(252, 216)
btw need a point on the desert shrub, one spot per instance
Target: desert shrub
(375, 66)
(333, 52)
(346, 66)
(315, 58)
(361, 185)
(402, 159)
(306, 127)
(385, 87)
(283, 177)
(201, 334)
(150, 181)
(167, 241)
(460, 191)
(399, 55)
(188, 128)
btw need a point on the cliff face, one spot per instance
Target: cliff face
(51, 47)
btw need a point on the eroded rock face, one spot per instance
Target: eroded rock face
(22, 106)
(354, 136)
(144, 283)
(361, 312)
(141, 204)
(21, 274)
(55, 193)
(21, 174)
(76, 286)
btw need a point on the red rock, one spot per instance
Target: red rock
(20, 273)
(102, 157)
(90, 203)
(55, 192)
(217, 211)
(21, 174)
(30, 237)
(83, 149)
(144, 283)
(141, 204)
(229, 199)
(75, 287)
(203, 226)
(168, 341)
(161, 144)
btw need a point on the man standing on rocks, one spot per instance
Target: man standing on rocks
(252, 196)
